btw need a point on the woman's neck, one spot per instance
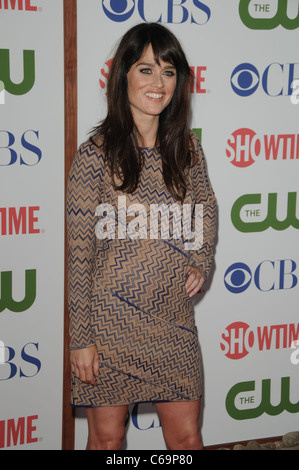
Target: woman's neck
(147, 130)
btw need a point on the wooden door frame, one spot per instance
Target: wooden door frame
(70, 130)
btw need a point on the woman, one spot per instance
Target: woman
(133, 334)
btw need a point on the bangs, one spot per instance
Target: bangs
(163, 50)
(165, 47)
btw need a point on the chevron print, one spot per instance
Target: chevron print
(127, 296)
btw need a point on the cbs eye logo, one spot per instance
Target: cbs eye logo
(118, 10)
(245, 79)
(237, 278)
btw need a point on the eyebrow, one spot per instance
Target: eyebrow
(150, 64)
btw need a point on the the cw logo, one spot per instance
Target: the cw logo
(7, 301)
(278, 11)
(271, 219)
(28, 77)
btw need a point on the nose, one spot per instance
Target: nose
(158, 80)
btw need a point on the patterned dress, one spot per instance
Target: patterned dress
(126, 287)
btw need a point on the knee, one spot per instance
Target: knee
(188, 441)
(107, 441)
(192, 442)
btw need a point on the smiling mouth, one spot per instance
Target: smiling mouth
(154, 95)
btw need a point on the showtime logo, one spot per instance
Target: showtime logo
(20, 5)
(172, 11)
(18, 431)
(20, 220)
(244, 147)
(104, 74)
(197, 80)
(239, 339)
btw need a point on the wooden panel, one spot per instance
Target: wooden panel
(70, 100)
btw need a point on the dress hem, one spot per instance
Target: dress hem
(183, 400)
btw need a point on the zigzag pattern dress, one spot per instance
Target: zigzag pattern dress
(127, 293)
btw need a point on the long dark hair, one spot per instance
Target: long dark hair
(117, 130)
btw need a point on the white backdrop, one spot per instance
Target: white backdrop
(31, 224)
(245, 61)
(245, 58)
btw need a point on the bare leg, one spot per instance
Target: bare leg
(180, 424)
(106, 427)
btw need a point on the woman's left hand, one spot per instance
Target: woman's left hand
(195, 280)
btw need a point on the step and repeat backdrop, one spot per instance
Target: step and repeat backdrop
(245, 106)
(31, 223)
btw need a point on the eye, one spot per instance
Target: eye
(245, 79)
(169, 73)
(237, 278)
(146, 70)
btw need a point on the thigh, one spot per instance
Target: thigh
(180, 423)
(106, 424)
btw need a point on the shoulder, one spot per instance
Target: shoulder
(91, 147)
(88, 162)
(90, 152)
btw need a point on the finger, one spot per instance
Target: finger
(75, 370)
(89, 377)
(85, 375)
(81, 374)
(192, 279)
(195, 289)
(96, 366)
(194, 283)
(188, 270)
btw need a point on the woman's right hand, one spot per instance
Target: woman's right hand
(85, 364)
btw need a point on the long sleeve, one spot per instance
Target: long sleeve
(83, 196)
(204, 194)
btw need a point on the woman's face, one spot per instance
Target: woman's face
(150, 86)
